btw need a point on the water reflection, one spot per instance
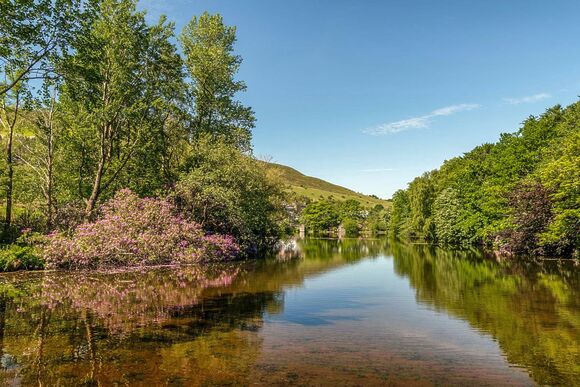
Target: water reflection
(531, 308)
(321, 309)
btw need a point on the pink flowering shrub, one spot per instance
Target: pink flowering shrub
(219, 246)
(136, 232)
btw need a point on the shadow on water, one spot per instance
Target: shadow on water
(196, 326)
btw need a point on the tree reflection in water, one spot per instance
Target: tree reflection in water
(532, 308)
(196, 326)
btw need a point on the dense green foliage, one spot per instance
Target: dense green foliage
(325, 216)
(320, 216)
(17, 257)
(120, 84)
(230, 193)
(208, 46)
(22, 255)
(116, 104)
(377, 220)
(520, 195)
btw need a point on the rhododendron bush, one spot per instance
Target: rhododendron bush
(136, 232)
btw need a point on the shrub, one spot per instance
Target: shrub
(377, 221)
(531, 213)
(136, 232)
(219, 246)
(320, 216)
(69, 215)
(16, 257)
(228, 192)
(351, 227)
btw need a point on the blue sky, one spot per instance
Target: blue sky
(370, 94)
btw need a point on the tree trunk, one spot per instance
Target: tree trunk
(10, 170)
(91, 203)
(9, 184)
(49, 163)
(49, 183)
(106, 145)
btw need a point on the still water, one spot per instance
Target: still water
(324, 312)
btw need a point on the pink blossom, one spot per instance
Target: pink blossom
(136, 232)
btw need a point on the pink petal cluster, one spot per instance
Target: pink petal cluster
(132, 231)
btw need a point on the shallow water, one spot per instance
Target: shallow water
(324, 312)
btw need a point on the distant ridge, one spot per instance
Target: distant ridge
(315, 188)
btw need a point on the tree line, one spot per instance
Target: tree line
(94, 99)
(519, 196)
(325, 216)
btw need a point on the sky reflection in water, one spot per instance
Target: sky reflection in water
(349, 312)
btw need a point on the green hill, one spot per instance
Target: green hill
(315, 188)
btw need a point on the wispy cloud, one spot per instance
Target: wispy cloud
(421, 121)
(449, 110)
(527, 99)
(375, 170)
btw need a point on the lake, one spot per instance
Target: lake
(322, 312)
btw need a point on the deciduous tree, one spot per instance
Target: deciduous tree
(208, 46)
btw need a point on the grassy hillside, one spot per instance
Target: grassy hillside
(315, 188)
